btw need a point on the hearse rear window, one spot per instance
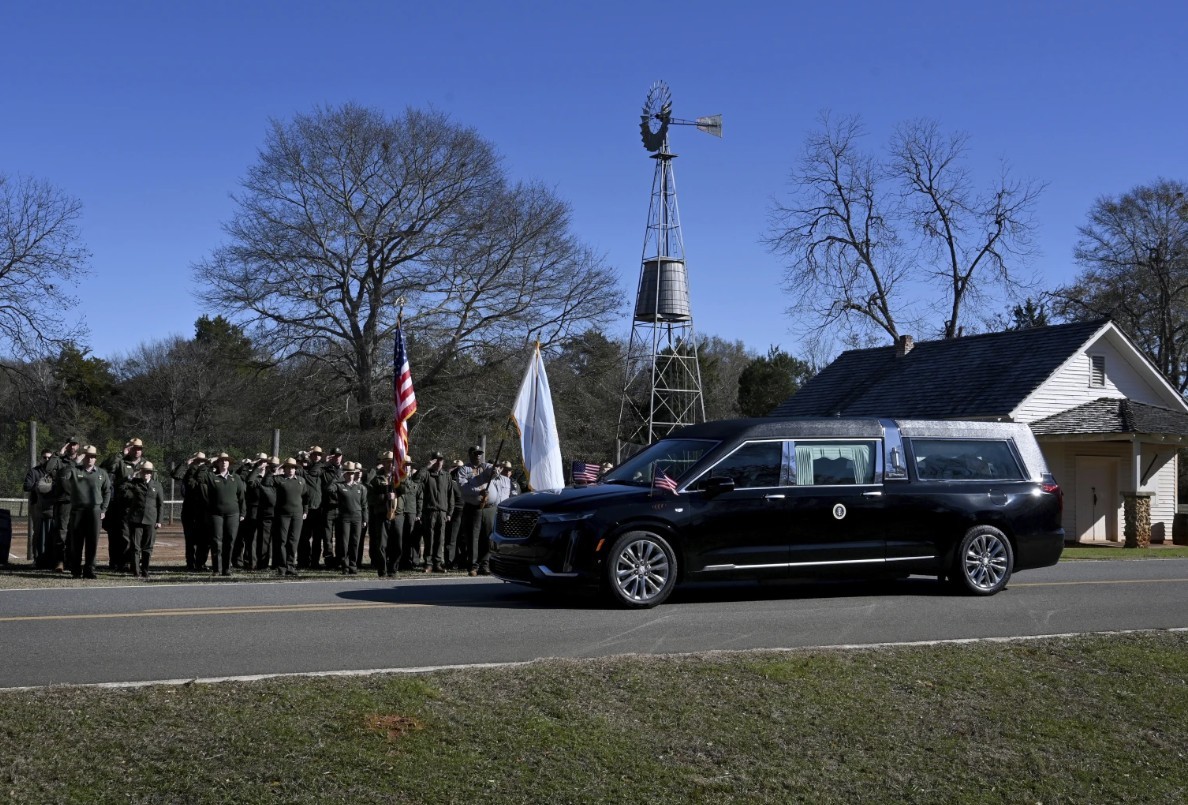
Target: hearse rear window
(965, 460)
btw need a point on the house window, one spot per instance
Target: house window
(1097, 371)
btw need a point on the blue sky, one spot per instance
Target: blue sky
(151, 112)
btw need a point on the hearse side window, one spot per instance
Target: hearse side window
(835, 463)
(755, 465)
(965, 460)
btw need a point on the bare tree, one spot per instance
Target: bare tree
(348, 210)
(1134, 254)
(40, 257)
(867, 238)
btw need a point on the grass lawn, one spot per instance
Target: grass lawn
(1117, 552)
(1079, 720)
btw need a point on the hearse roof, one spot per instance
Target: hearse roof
(854, 427)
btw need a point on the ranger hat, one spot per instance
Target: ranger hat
(506, 464)
(302, 455)
(290, 462)
(147, 467)
(134, 442)
(435, 455)
(348, 466)
(199, 455)
(458, 462)
(261, 456)
(223, 457)
(315, 451)
(387, 456)
(274, 460)
(90, 450)
(408, 461)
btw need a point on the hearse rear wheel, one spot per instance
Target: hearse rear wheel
(982, 565)
(641, 570)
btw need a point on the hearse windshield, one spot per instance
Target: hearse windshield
(673, 457)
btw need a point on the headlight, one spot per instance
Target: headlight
(565, 517)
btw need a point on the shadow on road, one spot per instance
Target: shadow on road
(515, 596)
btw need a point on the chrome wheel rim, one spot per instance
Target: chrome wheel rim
(986, 562)
(641, 570)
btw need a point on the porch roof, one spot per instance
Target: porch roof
(1113, 415)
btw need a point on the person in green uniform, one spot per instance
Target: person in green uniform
(265, 510)
(381, 513)
(438, 496)
(315, 521)
(223, 494)
(292, 508)
(193, 512)
(325, 543)
(121, 469)
(409, 523)
(59, 467)
(144, 501)
(90, 495)
(350, 504)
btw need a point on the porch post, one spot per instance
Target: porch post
(1136, 516)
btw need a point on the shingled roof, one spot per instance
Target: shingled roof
(1114, 415)
(972, 377)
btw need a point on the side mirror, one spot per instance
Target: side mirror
(718, 485)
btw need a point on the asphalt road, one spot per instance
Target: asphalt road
(163, 632)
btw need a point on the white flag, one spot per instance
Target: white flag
(533, 415)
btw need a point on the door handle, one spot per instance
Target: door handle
(877, 493)
(773, 497)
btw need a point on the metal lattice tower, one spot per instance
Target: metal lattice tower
(662, 377)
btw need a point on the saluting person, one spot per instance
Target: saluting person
(350, 504)
(223, 493)
(143, 501)
(292, 508)
(90, 495)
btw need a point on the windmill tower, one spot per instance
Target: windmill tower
(662, 379)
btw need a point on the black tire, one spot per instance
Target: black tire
(983, 562)
(641, 570)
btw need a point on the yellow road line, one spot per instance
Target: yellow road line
(246, 610)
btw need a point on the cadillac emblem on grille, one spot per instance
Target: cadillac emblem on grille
(517, 524)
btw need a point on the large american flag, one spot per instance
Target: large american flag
(405, 398)
(663, 481)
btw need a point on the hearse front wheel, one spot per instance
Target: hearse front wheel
(983, 562)
(641, 570)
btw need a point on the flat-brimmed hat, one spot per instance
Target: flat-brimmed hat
(274, 460)
(290, 462)
(315, 450)
(408, 460)
(506, 464)
(90, 450)
(199, 455)
(459, 462)
(134, 442)
(146, 466)
(223, 457)
(386, 456)
(261, 456)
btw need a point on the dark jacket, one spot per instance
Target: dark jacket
(89, 489)
(292, 495)
(438, 490)
(143, 502)
(350, 500)
(223, 495)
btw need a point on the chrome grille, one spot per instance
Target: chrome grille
(516, 523)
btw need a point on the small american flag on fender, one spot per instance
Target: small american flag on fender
(662, 481)
(584, 473)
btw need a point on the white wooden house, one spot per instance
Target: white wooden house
(1108, 421)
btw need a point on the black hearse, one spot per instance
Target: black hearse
(968, 502)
